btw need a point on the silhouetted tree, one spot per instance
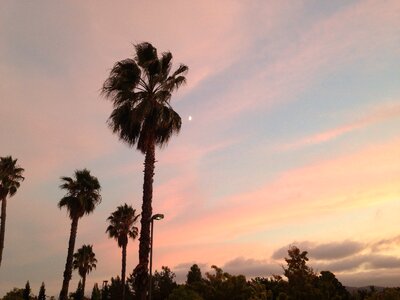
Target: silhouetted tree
(10, 178)
(224, 286)
(301, 278)
(259, 291)
(141, 90)
(42, 292)
(283, 296)
(27, 291)
(105, 292)
(163, 283)
(113, 291)
(330, 287)
(122, 227)
(83, 195)
(96, 295)
(184, 293)
(78, 294)
(275, 284)
(84, 261)
(195, 280)
(14, 294)
(194, 275)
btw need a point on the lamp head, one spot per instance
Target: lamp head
(157, 217)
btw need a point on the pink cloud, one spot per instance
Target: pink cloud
(348, 35)
(347, 183)
(376, 115)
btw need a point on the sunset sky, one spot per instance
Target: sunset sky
(294, 137)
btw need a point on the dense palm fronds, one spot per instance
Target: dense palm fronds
(10, 181)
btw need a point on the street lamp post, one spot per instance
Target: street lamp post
(154, 217)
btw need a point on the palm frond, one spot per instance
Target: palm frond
(139, 103)
(10, 176)
(122, 224)
(82, 193)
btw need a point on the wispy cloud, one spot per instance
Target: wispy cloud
(376, 115)
(328, 251)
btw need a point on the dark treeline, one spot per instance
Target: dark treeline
(298, 282)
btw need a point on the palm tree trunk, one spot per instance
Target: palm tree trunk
(144, 244)
(83, 285)
(123, 270)
(68, 264)
(3, 226)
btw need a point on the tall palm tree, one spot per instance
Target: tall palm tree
(122, 227)
(83, 194)
(84, 261)
(140, 90)
(10, 178)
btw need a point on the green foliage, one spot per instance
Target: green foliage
(163, 283)
(183, 292)
(96, 295)
(259, 292)
(275, 284)
(224, 286)
(42, 292)
(15, 294)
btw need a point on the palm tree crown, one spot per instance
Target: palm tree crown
(140, 90)
(84, 260)
(122, 224)
(10, 176)
(83, 193)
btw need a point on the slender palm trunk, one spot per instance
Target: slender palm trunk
(123, 270)
(3, 226)
(144, 244)
(68, 264)
(83, 285)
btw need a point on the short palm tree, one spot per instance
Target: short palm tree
(140, 90)
(10, 178)
(83, 194)
(122, 227)
(84, 261)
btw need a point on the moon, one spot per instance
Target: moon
(190, 118)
